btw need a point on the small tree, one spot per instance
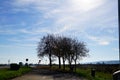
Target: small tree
(76, 50)
(65, 46)
(45, 47)
(21, 64)
(57, 49)
(80, 51)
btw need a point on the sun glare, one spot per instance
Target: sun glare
(86, 5)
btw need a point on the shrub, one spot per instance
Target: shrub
(26, 64)
(14, 66)
(21, 64)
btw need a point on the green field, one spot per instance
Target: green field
(98, 76)
(86, 73)
(6, 73)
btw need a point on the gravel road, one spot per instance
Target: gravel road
(43, 74)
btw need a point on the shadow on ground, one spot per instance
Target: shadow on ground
(57, 75)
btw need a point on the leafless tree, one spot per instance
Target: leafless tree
(62, 47)
(80, 51)
(45, 47)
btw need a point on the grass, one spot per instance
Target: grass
(6, 73)
(86, 73)
(99, 75)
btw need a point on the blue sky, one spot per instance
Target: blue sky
(24, 22)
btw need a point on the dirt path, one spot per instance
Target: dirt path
(47, 75)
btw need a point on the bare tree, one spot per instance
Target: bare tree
(57, 49)
(62, 47)
(76, 50)
(65, 49)
(45, 47)
(80, 51)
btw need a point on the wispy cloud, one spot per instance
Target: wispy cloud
(70, 12)
(6, 32)
(116, 49)
(25, 31)
(18, 45)
(24, 22)
(102, 40)
(78, 16)
(62, 12)
(25, 39)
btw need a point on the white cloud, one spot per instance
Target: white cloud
(71, 16)
(23, 3)
(66, 12)
(25, 39)
(89, 20)
(116, 49)
(18, 45)
(84, 5)
(25, 31)
(7, 32)
(34, 4)
(102, 40)
(62, 29)
(70, 12)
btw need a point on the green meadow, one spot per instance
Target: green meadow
(98, 76)
(86, 73)
(6, 73)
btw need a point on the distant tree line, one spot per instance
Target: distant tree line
(65, 48)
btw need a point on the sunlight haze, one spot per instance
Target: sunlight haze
(24, 22)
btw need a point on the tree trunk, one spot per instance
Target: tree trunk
(63, 63)
(70, 66)
(75, 65)
(50, 60)
(59, 62)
